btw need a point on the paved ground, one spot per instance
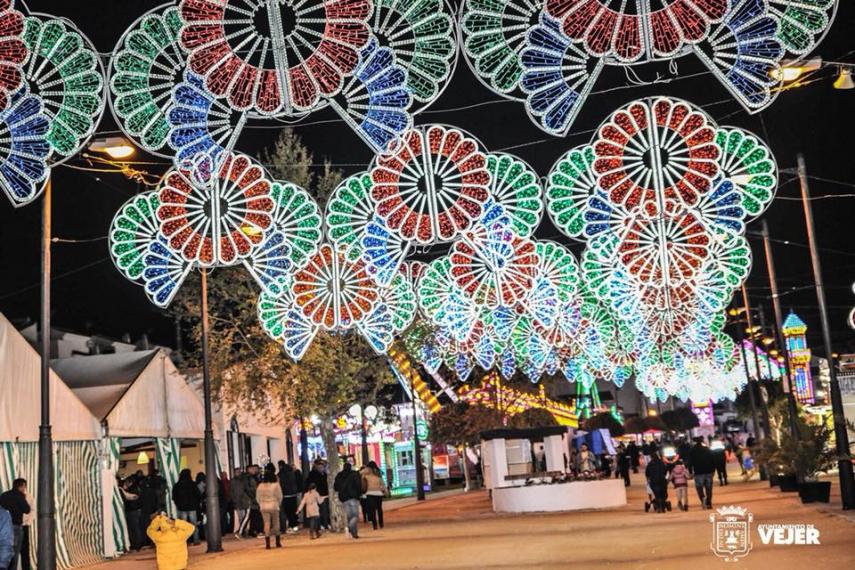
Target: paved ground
(459, 532)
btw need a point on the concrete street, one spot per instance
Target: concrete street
(457, 532)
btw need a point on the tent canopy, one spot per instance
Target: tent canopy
(136, 394)
(20, 396)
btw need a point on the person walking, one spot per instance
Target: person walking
(133, 512)
(187, 498)
(656, 474)
(623, 465)
(170, 541)
(7, 538)
(242, 501)
(375, 489)
(632, 449)
(720, 462)
(748, 465)
(28, 527)
(680, 479)
(318, 476)
(289, 482)
(269, 497)
(312, 503)
(15, 501)
(348, 485)
(703, 467)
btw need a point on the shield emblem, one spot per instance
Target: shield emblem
(731, 537)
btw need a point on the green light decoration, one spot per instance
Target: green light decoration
(147, 63)
(422, 35)
(802, 23)
(349, 210)
(516, 187)
(558, 267)
(435, 286)
(64, 71)
(400, 298)
(748, 163)
(133, 228)
(493, 36)
(568, 187)
(296, 214)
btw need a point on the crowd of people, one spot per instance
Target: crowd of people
(256, 503)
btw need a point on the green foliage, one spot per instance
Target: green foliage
(604, 420)
(806, 456)
(462, 423)
(532, 418)
(640, 425)
(680, 419)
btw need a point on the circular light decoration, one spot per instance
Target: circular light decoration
(557, 266)
(400, 298)
(284, 323)
(493, 265)
(133, 228)
(656, 155)
(494, 35)
(147, 62)
(375, 102)
(383, 250)
(24, 148)
(432, 185)
(349, 210)
(516, 187)
(13, 51)
(216, 215)
(274, 57)
(296, 214)
(270, 262)
(421, 34)
(435, 286)
(199, 123)
(164, 272)
(568, 187)
(748, 163)
(332, 291)
(64, 71)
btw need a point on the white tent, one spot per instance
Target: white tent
(135, 394)
(76, 435)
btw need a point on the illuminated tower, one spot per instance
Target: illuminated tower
(794, 333)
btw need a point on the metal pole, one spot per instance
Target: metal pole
(46, 552)
(847, 484)
(213, 532)
(364, 435)
(740, 337)
(779, 328)
(764, 408)
(420, 476)
(762, 315)
(304, 448)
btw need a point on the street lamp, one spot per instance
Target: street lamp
(115, 147)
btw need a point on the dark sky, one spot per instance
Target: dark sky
(89, 294)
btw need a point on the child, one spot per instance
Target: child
(680, 479)
(312, 501)
(170, 541)
(747, 465)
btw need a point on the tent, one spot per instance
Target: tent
(134, 395)
(76, 435)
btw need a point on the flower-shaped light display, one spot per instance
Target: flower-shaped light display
(432, 185)
(274, 56)
(147, 62)
(133, 228)
(515, 186)
(216, 215)
(332, 291)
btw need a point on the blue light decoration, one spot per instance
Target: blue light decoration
(164, 273)
(794, 330)
(24, 147)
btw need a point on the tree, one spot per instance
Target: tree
(461, 423)
(605, 420)
(680, 419)
(249, 368)
(532, 418)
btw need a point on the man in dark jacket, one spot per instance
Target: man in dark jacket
(15, 501)
(7, 538)
(187, 498)
(318, 476)
(244, 487)
(656, 478)
(633, 451)
(703, 466)
(348, 485)
(291, 483)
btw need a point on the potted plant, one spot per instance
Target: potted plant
(805, 458)
(766, 452)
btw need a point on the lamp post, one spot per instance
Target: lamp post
(763, 407)
(46, 553)
(420, 476)
(363, 413)
(740, 338)
(779, 326)
(213, 534)
(844, 463)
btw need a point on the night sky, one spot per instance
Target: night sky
(90, 295)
